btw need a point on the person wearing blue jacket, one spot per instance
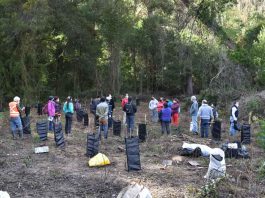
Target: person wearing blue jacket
(68, 109)
(193, 114)
(165, 117)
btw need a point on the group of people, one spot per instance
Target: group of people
(165, 111)
(103, 108)
(205, 115)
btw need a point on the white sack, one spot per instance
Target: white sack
(206, 150)
(216, 168)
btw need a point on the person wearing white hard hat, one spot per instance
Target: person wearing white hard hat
(15, 120)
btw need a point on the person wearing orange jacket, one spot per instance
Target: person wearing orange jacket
(15, 120)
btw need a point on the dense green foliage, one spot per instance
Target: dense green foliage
(89, 47)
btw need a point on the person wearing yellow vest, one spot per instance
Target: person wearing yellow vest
(15, 121)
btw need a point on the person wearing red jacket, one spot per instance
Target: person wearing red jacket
(123, 103)
(175, 113)
(160, 104)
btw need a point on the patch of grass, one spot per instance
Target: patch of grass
(28, 161)
(54, 173)
(36, 139)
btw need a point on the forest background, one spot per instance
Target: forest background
(84, 48)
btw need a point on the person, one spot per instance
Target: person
(215, 113)
(160, 104)
(68, 109)
(93, 107)
(15, 120)
(234, 118)
(102, 112)
(123, 103)
(58, 109)
(77, 105)
(205, 114)
(169, 102)
(165, 117)
(111, 102)
(153, 109)
(175, 112)
(193, 114)
(111, 105)
(51, 112)
(130, 109)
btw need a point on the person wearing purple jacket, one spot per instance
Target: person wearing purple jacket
(51, 112)
(165, 117)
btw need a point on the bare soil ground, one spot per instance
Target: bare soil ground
(65, 172)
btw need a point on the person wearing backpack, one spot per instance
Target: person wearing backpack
(51, 112)
(130, 109)
(68, 109)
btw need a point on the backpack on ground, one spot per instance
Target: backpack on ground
(45, 109)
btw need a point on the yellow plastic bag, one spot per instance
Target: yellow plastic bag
(99, 160)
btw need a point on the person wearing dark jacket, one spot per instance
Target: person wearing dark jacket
(233, 119)
(130, 110)
(165, 117)
(58, 109)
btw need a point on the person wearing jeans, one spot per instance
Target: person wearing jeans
(130, 110)
(68, 110)
(15, 121)
(153, 109)
(165, 117)
(102, 111)
(51, 112)
(193, 114)
(233, 119)
(205, 114)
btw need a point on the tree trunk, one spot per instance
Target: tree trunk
(189, 84)
(115, 68)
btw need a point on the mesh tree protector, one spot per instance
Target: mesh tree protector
(42, 129)
(58, 134)
(26, 125)
(142, 132)
(133, 153)
(246, 134)
(116, 127)
(92, 145)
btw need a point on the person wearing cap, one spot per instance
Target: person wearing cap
(153, 109)
(193, 114)
(51, 112)
(102, 112)
(205, 114)
(123, 103)
(15, 120)
(68, 109)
